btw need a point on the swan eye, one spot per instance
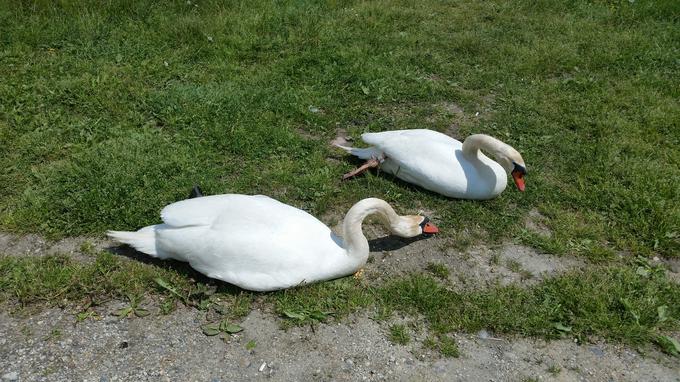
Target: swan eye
(519, 168)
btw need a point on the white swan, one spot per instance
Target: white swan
(261, 244)
(442, 164)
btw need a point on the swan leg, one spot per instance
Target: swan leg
(371, 163)
(359, 274)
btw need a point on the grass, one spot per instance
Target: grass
(623, 308)
(399, 334)
(53, 279)
(109, 111)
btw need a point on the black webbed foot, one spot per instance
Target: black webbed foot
(195, 192)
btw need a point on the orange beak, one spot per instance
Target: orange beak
(430, 228)
(518, 177)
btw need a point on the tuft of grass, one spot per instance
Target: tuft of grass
(513, 265)
(399, 334)
(439, 270)
(554, 369)
(445, 345)
(251, 345)
(55, 335)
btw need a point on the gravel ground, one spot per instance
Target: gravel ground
(52, 346)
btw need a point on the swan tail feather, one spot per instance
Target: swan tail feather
(366, 153)
(143, 240)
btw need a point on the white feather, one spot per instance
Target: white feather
(143, 240)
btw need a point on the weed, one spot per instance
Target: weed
(133, 309)
(224, 326)
(55, 335)
(87, 314)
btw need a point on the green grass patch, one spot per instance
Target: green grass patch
(619, 303)
(317, 302)
(109, 112)
(58, 280)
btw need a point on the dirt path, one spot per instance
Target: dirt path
(52, 346)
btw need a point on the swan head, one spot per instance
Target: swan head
(413, 225)
(512, 162)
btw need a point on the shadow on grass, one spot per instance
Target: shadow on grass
(181, 267)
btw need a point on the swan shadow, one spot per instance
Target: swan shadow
(393, 242)
(181, 267)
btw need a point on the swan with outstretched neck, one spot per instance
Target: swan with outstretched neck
(442, 164)
(261, 244)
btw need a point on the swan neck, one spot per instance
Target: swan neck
(476, 142)
(356, 243)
